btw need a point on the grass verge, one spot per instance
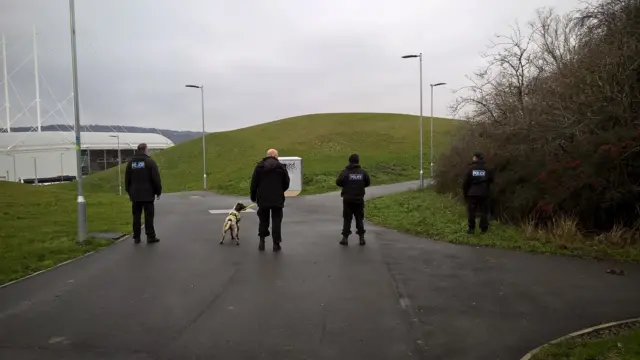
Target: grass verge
(620, 342)
(441, 217)
(39, 226)
(386, 143)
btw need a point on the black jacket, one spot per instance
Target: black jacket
(142, 178)
(269, 181)
(353, 179)
(477, 180)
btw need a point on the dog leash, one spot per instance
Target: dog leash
(246, 207)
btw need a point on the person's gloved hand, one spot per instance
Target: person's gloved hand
(157, 197)
(253, 200)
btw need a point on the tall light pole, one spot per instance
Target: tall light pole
(419, 56)
(61, 167)
(82, 204)
(431, 133)
(6, 83)
(204, 150)
(15, 173)
(119, 164)
(35, 170)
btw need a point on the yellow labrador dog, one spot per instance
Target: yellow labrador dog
(232, 224)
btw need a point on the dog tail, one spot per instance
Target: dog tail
(227, 224)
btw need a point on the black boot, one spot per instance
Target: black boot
(152, 240)
(136, 240)
(261, 245)
(362, 241)
(276, 246)
(344, 240)
(471, 231)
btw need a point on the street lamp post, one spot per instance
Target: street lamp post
(204, 152)
(15, 173)
(35, 170)
(82, 204)
(419, 56)
(431, 152)
(117, 136)
(61, 167)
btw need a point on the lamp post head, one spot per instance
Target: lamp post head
(193, 86)
(438, 84)
(410, 56)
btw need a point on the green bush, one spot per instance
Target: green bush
(557, 115)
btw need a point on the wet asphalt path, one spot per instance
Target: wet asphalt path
(399, 297)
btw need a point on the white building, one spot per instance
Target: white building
(51, 154)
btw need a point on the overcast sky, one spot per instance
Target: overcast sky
(259, 60)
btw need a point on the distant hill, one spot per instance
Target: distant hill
(174, 135)
(388, 145)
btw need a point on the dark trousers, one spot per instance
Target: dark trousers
(475, 205)
(137, 207)
(276, 218)
(351, 209)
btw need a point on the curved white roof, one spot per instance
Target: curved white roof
(17, 142)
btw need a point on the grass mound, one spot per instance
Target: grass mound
(441, 217)
(39, 222)
(388, 145)
(39, 226)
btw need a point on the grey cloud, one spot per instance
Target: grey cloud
(258, 60)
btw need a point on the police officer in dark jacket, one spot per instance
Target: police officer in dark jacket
(476, 189)
(142, 183)
(353, 179)
(269, 181)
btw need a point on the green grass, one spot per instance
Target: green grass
(618, 343)
(441, 217)
(387, 144)
(39, 223)
(39, 226)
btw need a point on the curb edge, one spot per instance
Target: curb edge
(530, 354)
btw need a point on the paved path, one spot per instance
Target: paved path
(400, 297)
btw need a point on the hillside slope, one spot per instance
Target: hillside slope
(388, 145)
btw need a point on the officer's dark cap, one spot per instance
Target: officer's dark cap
(478, 154)
(354, 159)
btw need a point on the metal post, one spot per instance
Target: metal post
(431, 134)
(204, 151)
(119, 166)
(35, 65)
(82, 204)
(35, 170)
(421, 136)
(61, 167)
(6, 84)
(15, 174)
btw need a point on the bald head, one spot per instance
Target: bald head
(272, 153)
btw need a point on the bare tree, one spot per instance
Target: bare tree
(559, 100)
